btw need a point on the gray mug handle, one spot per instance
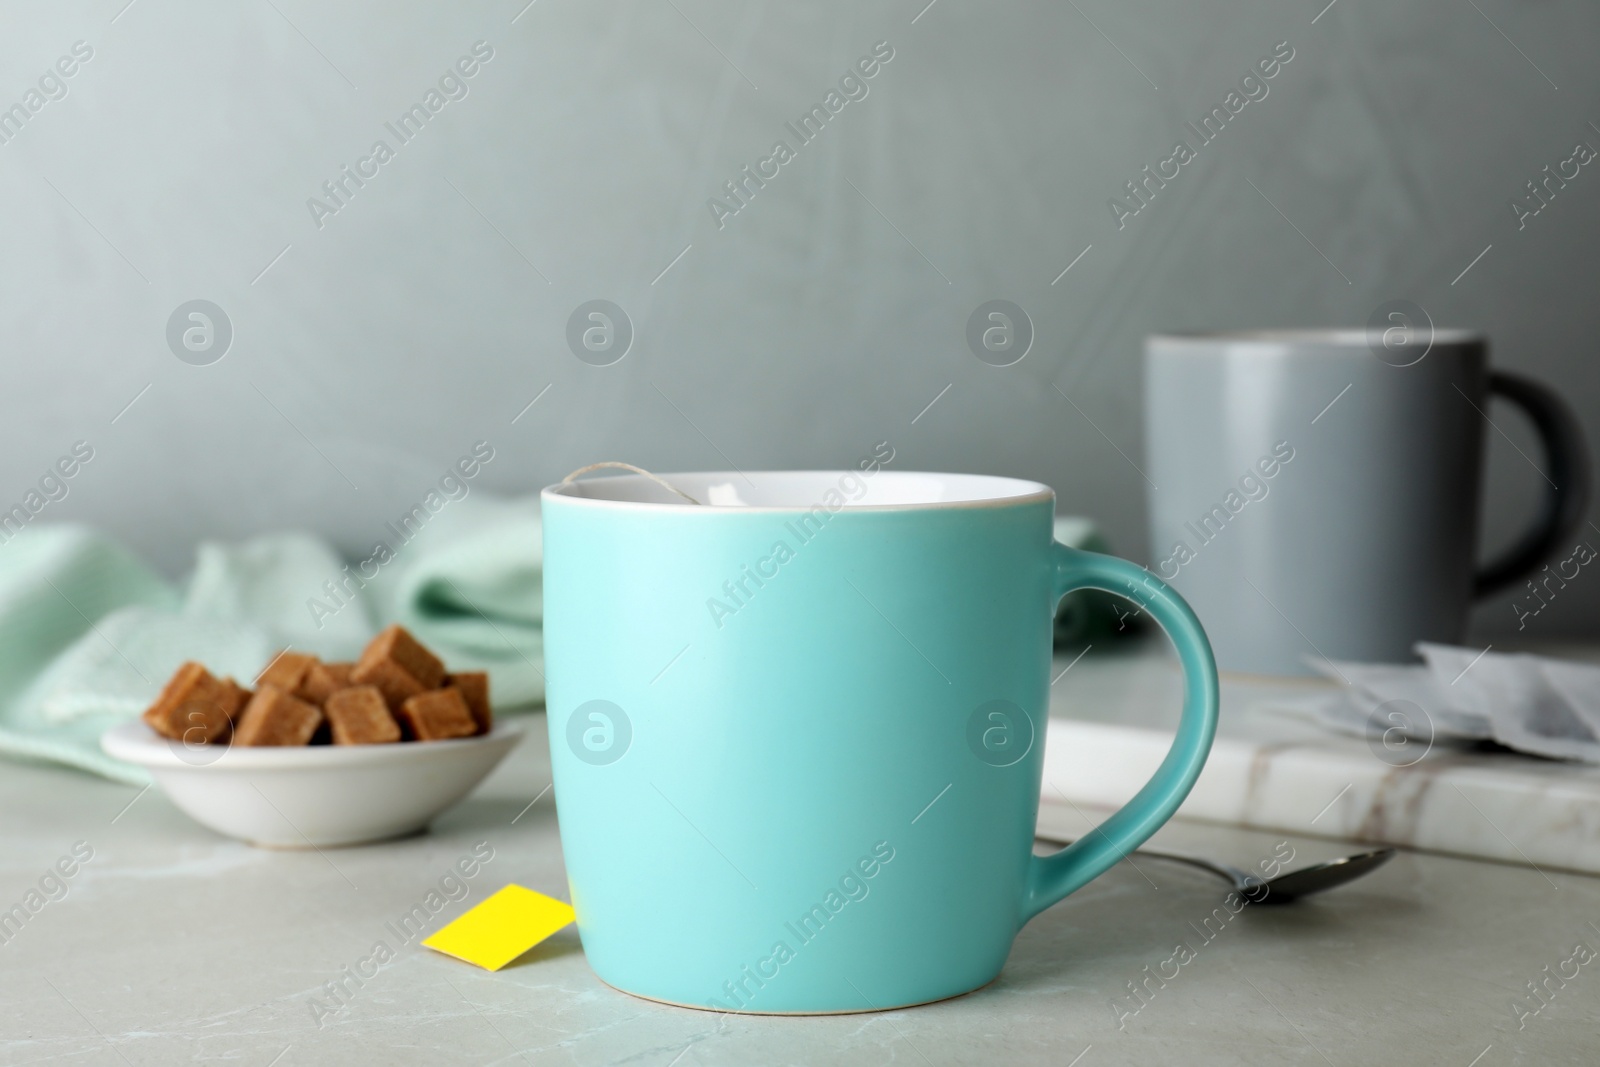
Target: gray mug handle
(1566, 497)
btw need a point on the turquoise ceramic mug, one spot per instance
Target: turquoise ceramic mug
(797, 727)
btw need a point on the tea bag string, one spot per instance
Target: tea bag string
(614, 465)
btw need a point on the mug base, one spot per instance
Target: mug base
(798, 1011)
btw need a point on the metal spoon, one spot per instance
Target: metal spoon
(1286, 888)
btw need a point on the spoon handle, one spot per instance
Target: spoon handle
(1233, 875)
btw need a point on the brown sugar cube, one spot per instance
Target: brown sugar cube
(395, 644)
(273, 717)
(398, 666)
(474, 686)
(323, 680)
(239, 696)
(194, 706)
(360, 716)
(392, 681)
(436, 715)
(287, 671)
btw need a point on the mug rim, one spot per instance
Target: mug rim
(1330, 337)
(1022, 492)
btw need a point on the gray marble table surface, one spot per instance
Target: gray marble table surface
(172, 945)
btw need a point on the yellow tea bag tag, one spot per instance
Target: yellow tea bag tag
(501, 928)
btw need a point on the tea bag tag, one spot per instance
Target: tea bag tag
(501, 927)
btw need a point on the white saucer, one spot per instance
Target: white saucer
(313, 796)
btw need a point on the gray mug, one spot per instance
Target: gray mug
(1315, 492)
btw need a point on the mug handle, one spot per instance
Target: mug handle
(1566, 497)
(1052, 877)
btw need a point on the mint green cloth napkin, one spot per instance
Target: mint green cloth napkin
(88, 633)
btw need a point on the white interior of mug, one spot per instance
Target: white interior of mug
(803, 490)
(1337, 338)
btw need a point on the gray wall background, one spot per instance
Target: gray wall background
(370, 353)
